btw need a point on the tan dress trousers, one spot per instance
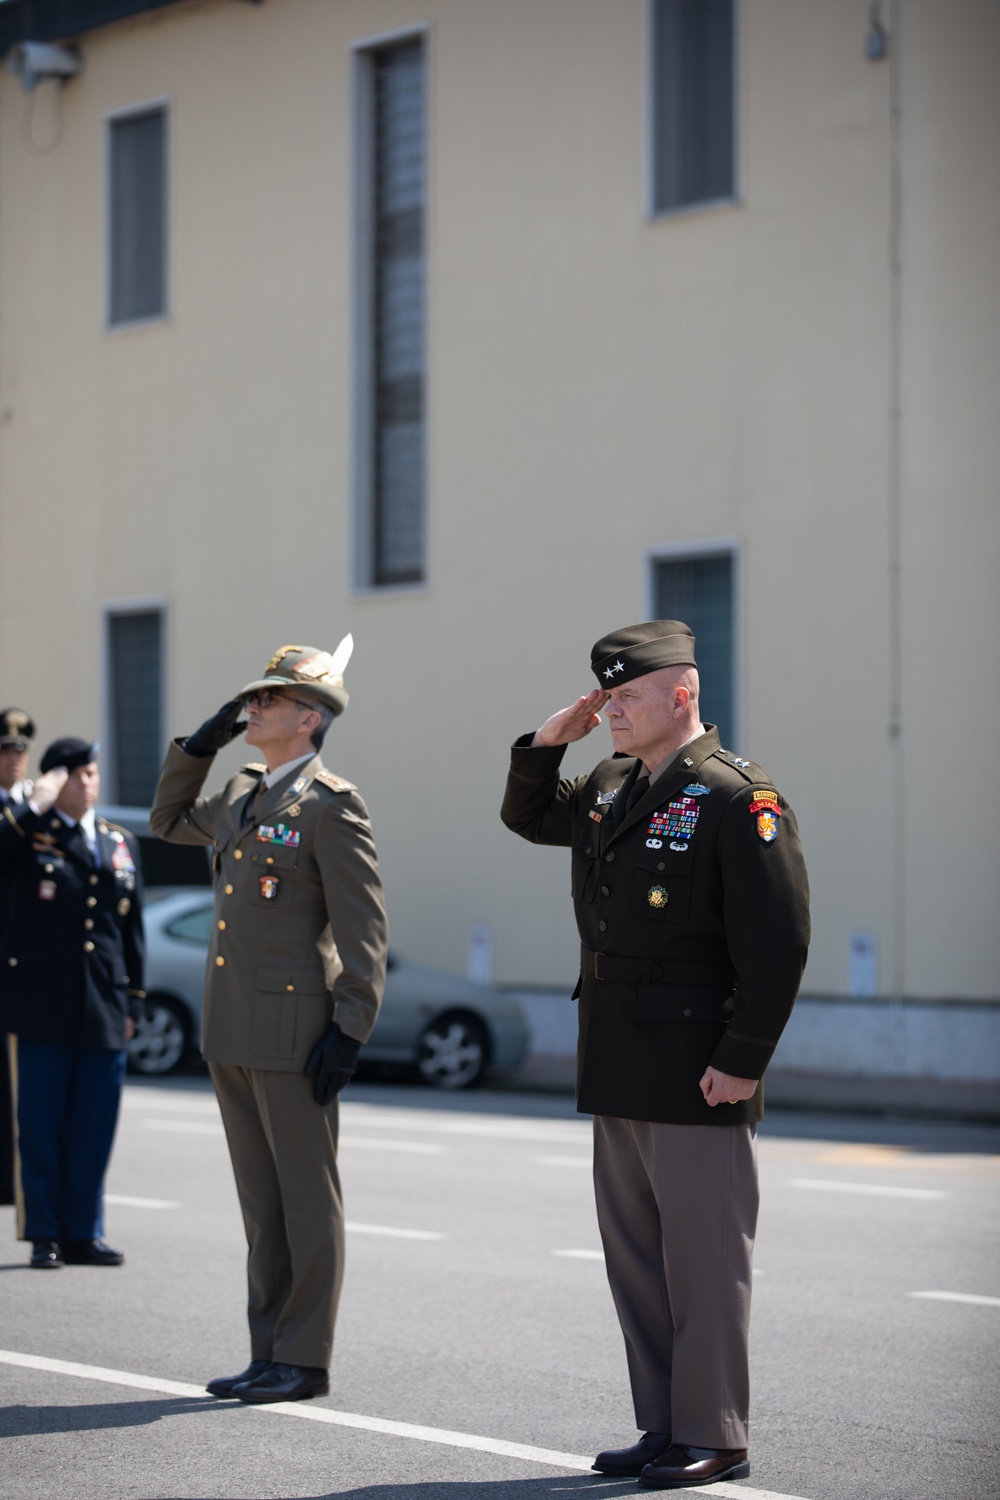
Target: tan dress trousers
(284, 1152)
(677, 1209)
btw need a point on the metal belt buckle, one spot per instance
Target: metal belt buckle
(597, 965)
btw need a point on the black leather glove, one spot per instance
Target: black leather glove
(331, 1064)
(217, 731)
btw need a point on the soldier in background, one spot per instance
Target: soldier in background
(72, 960)
(295, 975)
(17, 730)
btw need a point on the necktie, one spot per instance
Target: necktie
(624, 805)
(250, 805)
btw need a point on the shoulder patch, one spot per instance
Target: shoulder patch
(335, 783)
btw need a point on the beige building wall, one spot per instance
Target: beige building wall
(600, 385)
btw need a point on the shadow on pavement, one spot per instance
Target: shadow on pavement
(35, 1421)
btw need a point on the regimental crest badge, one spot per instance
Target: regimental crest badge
(269, 887)
(765, 807)
(657, 897)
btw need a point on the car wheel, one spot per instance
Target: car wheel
(162, 1037)
(452, 1052)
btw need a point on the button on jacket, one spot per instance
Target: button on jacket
(72, 955)
(299, 936)
(693, 918)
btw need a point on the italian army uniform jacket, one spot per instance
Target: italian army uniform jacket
(299, 937)
(693, 917)
(72, 955)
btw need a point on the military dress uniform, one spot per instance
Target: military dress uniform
(72, 961)
(17, 730)
(298, 942)
(692, 909)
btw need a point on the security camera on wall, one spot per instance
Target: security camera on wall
(34, 62)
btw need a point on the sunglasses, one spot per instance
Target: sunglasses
(267, 696)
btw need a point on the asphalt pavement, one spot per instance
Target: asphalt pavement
(477, 1349)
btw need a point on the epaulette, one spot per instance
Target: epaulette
(255, 767)
(748, 769)
(335, 783)
(106, 826)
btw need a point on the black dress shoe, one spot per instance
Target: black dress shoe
(91, 1253)
(632, 1460)
(224, 1385)
(682, 1465)
(284, 1383)
(46, 1255)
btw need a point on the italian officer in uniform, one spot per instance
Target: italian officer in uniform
(295, 975)
(691, 901)
(72, 961)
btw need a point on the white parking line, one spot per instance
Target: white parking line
(870, 1189)
(413, 1148)
(558, 1133)
(311, 1413)
(550, 1457)
(124, 1202)
(397, 1234)
(140, 1098)
(579, 1254)
(564, 1161)
(185, 1127)
(969, 1297)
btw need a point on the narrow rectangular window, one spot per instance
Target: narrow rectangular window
(135, 706)
(692, 78)
(700, 591)
(395, 273)
(137, 166)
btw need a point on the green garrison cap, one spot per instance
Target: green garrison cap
(639, 649)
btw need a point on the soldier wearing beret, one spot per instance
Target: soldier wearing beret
(691, 900)
(72, 960)
(295, 975)
(17, 730)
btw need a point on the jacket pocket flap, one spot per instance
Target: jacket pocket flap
(291, 978)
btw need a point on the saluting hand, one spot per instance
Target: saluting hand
(47, 788)
(217, 731)
(572, 723)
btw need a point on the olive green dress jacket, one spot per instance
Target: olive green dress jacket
(693, 912)
(300, 931)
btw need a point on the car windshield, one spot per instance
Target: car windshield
(193, 926)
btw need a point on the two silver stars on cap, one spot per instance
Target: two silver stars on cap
(619, 666)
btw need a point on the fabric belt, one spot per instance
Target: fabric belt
(607, 966)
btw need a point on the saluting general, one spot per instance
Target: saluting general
(72, 961)
(691, 901)
(296, 970)
(17, 730)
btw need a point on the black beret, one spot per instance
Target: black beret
(17, 729)
(69, 752)
(639, 649)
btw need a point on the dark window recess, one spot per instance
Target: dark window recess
(398, 331)
(138, 227)
(693, 82)
(135, 654)
(699, 591)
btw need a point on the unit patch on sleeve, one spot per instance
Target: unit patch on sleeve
(765, 805)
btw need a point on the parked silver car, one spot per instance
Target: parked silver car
(448, 1028)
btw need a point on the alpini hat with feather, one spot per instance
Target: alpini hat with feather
(310, 672)
(638, 649)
